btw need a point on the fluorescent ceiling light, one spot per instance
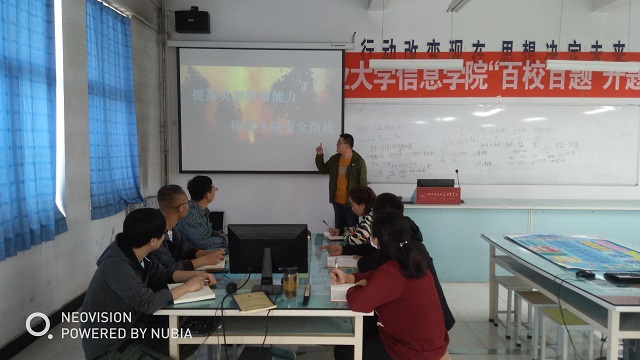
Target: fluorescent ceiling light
(534, 119)
(487, 113)
(600, 110)
(576, 65)
(417, 64)
(456, 5)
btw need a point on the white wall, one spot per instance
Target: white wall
(279, 198)
(46, 277)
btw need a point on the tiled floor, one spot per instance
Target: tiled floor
(472, 338)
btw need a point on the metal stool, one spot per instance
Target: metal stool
(565, 321)
(511, 284)
(536, 300)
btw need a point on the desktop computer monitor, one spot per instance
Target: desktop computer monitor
(253, 246)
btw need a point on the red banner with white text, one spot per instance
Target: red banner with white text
(489, 74)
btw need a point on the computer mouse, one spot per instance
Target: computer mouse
(585, 274)
(231, 287)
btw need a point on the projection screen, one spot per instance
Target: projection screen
(258, 110)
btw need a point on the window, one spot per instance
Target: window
(113, 138)
(28, 212)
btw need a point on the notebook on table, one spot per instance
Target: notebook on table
(219, 267)
(339, 291)
(205, 293)
(342, 261)
(330, 237)
(253, 301)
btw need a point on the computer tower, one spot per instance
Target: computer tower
(217, 220)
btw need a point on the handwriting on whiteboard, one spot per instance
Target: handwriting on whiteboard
(402, 143)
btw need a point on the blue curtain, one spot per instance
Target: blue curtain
(28, 211)
(113, 137)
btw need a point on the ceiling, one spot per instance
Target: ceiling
(379, 5)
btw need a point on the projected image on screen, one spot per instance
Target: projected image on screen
(258, 110)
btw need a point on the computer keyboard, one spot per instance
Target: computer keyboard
(623, 277)
(198, 325)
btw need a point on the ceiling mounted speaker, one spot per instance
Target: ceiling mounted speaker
(192, 21)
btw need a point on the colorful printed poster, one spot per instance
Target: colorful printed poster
(581, 252)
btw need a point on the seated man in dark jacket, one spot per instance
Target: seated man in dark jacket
(127, 287)
(176, 253)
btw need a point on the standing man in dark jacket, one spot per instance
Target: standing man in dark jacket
(346, 169)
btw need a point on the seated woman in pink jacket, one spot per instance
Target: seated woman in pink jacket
(402, 292)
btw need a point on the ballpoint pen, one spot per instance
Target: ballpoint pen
(336, 262)
(328, 227)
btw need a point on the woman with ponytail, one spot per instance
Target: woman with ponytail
(403, 294)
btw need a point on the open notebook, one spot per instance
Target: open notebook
(219, 267)
(342, 261)
(339, 291)
(333, 237)
(203, 294)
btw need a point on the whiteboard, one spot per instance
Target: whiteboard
(497, 144)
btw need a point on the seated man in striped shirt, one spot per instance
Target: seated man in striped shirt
(196, 226)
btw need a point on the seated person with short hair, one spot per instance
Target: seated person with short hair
(196, 226)
(128, 283)
(176, 253)
(361, 199)
(364, 251)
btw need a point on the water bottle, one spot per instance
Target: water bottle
(290, 282)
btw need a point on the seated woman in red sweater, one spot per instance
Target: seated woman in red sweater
(403, 294)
